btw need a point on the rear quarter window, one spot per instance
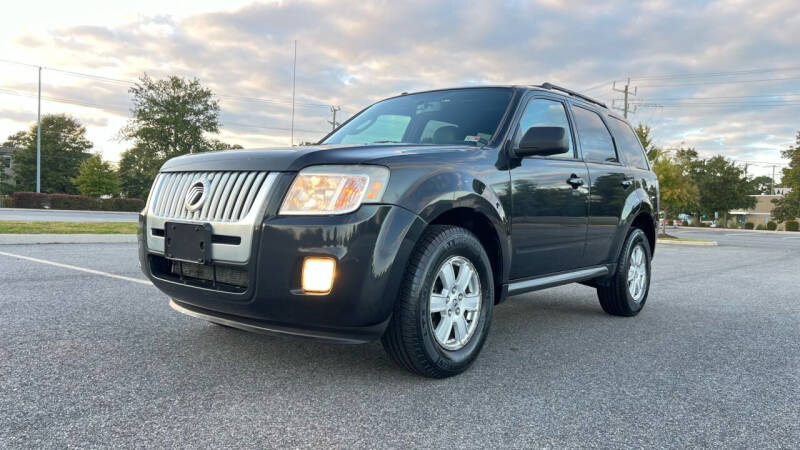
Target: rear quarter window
(628, 144)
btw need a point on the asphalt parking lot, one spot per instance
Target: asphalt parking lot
(713, 360)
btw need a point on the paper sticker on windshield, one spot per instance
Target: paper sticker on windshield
(472, 138)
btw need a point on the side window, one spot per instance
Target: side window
(596, 142)
(384, 127)
(628, 143)
(541, 112)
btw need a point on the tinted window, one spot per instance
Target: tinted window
(458, 116)
(544, 113)
(628, 144)
(596, 142)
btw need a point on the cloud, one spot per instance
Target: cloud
(354, 53)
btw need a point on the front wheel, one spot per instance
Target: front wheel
(626, 292)
(445, 304)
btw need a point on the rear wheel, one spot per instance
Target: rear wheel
(626, 292)
(445, 304)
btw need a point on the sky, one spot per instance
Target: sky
(720, 76)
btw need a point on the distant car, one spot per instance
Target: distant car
(410, 222)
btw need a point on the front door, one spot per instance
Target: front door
(549, 200)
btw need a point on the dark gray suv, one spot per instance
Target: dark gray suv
(410, 222)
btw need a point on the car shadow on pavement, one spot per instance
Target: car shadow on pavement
(531, 318)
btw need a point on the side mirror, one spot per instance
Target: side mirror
(543, 141)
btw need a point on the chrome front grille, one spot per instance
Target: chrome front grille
(233, 204)
(229, 196)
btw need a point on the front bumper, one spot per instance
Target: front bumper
(371, 247)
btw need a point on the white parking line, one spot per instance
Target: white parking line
(81, 269)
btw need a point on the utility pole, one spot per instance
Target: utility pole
(294, 68)
(626, 91)
(333, 122)
(39, 137)
(772, 189)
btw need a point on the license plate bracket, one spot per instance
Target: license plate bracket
(190, 242)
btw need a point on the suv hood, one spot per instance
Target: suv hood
(296, 158)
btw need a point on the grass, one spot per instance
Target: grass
(21, 227)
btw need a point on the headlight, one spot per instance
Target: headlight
(334, 189)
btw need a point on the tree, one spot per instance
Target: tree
(679, 192)
(788, 207)
(761, 185)
(723, 186)
(64, 147)
(6, 187)
(217, 145)
(138, 168)
(171, 117)
(643, 131)
(96, 177)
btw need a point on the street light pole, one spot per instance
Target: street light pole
(39, 137)
(294, 69)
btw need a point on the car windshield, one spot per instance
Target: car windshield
(458, 116)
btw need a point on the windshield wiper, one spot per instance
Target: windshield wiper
(387, 142)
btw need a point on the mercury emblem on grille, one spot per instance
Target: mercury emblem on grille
(196, 195)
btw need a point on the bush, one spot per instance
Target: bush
(772, 226)
(792, 225)
(760, 227)
(670, 222)
(66, 201)
(749, 226)
(7, 201)
(31, 200)
(121, 204)
(704, 225)
(73, 202)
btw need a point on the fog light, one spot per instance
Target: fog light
(318, 275)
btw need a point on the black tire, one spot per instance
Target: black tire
(613, 293)
(409, 339)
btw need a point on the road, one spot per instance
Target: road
(713, 361)
(57, 215)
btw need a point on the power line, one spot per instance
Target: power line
(125, 113)
(597, 86)
(718, 105)
(714, 97)
(699, 83)
(715, 74)
(132, 83)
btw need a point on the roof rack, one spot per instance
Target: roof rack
(551, 86)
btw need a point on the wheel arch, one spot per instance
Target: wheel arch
(486, 230)
(645, 222)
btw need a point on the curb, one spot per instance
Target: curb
(689, 243)
(731, 230)
(11, 239)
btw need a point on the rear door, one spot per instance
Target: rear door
(632, 153)
(610, 183)
(549, 215)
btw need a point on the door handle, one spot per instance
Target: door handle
(627, 182)
(575, 181)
